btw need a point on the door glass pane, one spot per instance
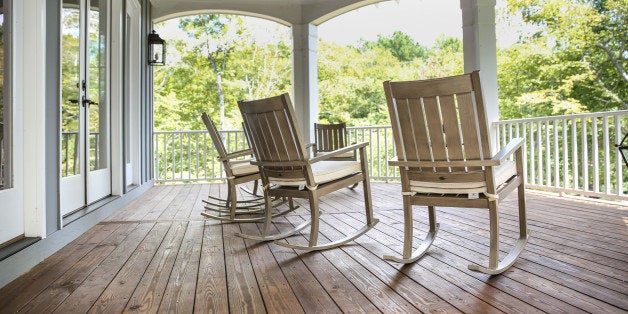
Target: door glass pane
(97, 87)
(70, 77)
(5, 105)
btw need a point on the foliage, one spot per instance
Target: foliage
(400, 45)
(350, 78)
(576, 62)
(213, 69)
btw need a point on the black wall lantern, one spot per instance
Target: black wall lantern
(156, 49)
(623, 148)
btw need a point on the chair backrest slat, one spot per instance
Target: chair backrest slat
(330, 137)
(439, 119)
(451, 126)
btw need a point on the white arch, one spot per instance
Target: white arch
(284, 12)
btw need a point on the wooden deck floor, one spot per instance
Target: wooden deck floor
(159, 254)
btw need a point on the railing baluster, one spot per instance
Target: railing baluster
(525, 152)
(607, 156)
(595, 156)
(585, 156)
(539, 143)
(574, 152)
(565, 156)
(556, 156)
(618, 160)
(532, 159)
(548, 155)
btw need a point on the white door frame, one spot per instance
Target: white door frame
(125, 94)
(89, 186)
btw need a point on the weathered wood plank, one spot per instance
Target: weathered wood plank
(74, 277)
(311, 294)
(181, 288)
(84, 297)
(118, 292)
(244, 293)
(380, 294)
(344, 293)
(414, 292)
(20, 291)
(150, 290)
(274, 287)
(211, 292)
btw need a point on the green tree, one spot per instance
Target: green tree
(191, 83)
(217, 37)
(350, 78)
(400, 45)
(576, 61)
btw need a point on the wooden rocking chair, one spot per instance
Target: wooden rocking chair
(331, 137)
(444, 156)
(238, 171)
(287, 171)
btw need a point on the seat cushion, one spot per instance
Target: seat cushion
(324, 171)
(501, 173)
(243, 168)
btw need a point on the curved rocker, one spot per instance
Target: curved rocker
(330, 245)
(251, 211)
(508, 261)
(266, 237)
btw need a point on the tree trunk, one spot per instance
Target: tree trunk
(221, 95)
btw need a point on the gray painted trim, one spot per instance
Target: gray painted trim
(146, 111)
(7, 128)
(52, 137)
(21, 262)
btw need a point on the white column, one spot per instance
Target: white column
(480, 50)
(305, 77)
(31, 89)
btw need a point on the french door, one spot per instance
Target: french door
(85, 127)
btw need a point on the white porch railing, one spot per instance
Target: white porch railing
(558, 150)
(188, 156)
(572, 153)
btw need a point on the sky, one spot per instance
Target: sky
(423, 20)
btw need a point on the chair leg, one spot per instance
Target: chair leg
(233, 199)
(408, 256)
(315, 216)
(494, 265)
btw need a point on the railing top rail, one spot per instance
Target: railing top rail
(565, 117)
(368, 127)
(239, 131)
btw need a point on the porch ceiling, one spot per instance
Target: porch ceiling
(283, 11)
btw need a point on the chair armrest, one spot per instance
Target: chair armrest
(337, 152)
(497, 160)
(443, 163)
(246, 152)
(509, 149)
(293, 163)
